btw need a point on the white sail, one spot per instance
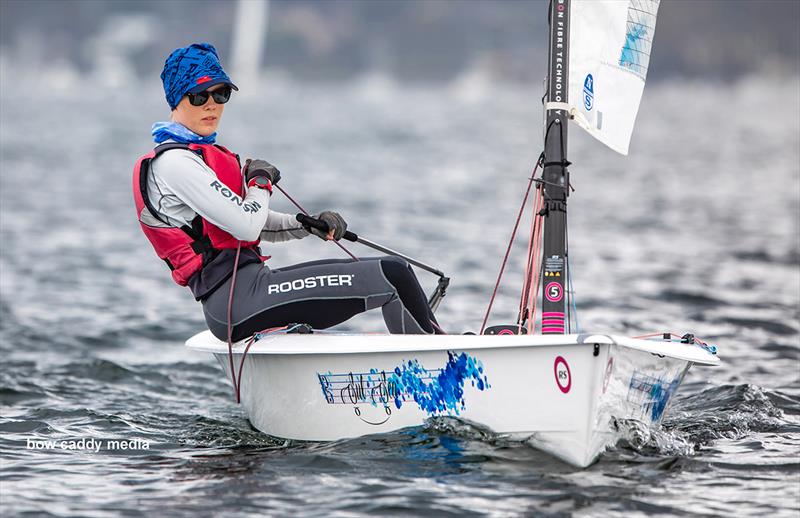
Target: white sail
(609, 52)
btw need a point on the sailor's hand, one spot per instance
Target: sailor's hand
(337, 226)
(258, 167)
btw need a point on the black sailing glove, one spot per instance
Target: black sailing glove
(256, 168)
(335, 222)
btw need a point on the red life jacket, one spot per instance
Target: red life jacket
(188, 249)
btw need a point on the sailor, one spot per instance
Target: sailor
(205, 214)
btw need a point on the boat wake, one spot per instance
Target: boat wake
(694, 422)
(455, 427)
(697, 420)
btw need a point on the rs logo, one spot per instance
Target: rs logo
(562, 374)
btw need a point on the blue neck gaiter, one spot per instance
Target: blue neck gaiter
(179, 133)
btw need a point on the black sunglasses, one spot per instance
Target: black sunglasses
(220, 96)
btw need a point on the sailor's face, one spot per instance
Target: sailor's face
(204, 119)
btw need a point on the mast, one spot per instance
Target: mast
(555, 175)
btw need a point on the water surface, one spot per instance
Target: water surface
(697, 230)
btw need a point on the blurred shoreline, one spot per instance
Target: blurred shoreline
(433, 41)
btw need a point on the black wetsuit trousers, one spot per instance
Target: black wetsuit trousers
(322, 294)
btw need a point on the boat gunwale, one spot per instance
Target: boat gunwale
(344, 343)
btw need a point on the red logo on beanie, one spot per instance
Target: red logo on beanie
(203, 79)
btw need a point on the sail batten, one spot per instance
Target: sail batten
(610, 44)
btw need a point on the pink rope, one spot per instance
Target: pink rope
(523, 298)
(529, 267)
(534, 264)
(307, 214)
(508, 249)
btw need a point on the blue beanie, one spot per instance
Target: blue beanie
(192, 69)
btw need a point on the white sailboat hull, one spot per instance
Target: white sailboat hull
(560, 392)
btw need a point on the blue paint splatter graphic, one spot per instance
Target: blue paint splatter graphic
(661, 396)
(441, 393)
(436, 391)
(632, 51)
(654, 393)
(640, 28)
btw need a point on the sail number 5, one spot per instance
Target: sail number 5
(554, 292)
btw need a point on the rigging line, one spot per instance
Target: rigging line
(307, 214)
(511, 242)
(250, 342)
(546, 88)
(572, 296)
(572, 307)
(229, 320)
(564, 163)
(547, 130)
(672, 334)
(237, 383)
(532, 265)
(523, 315)
(241, 366)
(537, 258)
(556, 120)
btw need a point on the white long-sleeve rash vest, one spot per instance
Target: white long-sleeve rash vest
(181, 185)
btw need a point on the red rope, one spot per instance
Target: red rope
(230, 325)
(238, 379)
(508, 249)
(523, 299)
